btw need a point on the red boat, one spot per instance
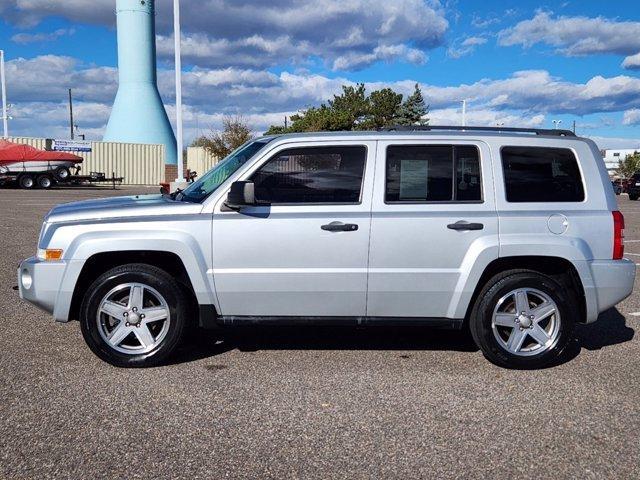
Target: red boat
(31, 166)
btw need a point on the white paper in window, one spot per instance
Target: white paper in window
(413, 179)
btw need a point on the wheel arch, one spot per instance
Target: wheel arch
(101, 262)
(560, 269)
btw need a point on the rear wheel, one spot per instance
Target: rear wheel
(523, 319)
(134, 316)
(45, 181)
(26, 181)
(633, 197)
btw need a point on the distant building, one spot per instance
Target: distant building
(613, 156)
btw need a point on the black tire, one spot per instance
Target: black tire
(62, 174)
(633, 197)
(45, 181)
(500, 285)
(153, 277)
(26, 182)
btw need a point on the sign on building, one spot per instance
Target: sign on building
(71, 145)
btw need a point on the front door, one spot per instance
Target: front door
(433, 220)
(303, 251)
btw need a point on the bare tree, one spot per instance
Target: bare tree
(220, 143)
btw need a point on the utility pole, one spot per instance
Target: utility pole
(574, 127)
(178, 62)
(5, 115)
(71, 114)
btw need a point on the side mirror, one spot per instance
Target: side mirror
(241, 195)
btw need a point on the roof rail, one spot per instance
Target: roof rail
(537, 131)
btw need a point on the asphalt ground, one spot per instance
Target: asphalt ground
(308, 403)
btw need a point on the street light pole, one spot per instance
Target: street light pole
(464, 113)
(5, 116)
(71, 115)
(178, 65)
(556, 124)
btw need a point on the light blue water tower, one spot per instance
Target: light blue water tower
(138, 114)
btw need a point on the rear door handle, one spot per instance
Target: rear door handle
(340, 227)
(464, 225)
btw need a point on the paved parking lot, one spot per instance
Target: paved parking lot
(315, 403)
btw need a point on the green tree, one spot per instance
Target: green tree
(629, 166)
(414, 110)
(235, 132)
(384, 108)
(350, 108)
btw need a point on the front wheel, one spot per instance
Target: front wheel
(134, 316)
(633, 197)
(26, 182)
(523, 319)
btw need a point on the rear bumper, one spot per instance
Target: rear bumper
(611, 282)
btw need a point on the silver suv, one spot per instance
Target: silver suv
(514, 233)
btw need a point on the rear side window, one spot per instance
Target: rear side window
(540, 174)
(312, 175)
(432, 173)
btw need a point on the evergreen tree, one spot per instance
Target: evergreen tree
(384, 108)
(414, 110)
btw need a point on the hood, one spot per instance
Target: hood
(120, 207)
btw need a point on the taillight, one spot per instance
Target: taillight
(618, 235)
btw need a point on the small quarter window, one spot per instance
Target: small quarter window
(540, 174)
(312, 175)
(432, 173)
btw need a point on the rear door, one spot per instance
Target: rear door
(303, 253)
(433, 216)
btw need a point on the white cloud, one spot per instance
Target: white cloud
(485, 117)
(605, 143)
(575, 36)
(38, 88)
(388, 53)
(631, 117)
(25, 38)
(467, 46)
(632, 62)
(255, 33)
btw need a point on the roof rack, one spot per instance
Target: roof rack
(537, 131)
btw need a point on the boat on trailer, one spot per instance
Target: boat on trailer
(31, 166)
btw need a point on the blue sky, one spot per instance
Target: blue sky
(521, 63)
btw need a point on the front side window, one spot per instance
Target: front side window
(541, 174)
(210, 181)
(312, 175)
(432, 173)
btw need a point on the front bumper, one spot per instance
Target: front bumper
(39, 282)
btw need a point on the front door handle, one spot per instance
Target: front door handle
(461, 225)
(340, 227)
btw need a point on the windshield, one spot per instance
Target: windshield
(210, 181)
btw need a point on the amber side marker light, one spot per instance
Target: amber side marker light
(52, 254)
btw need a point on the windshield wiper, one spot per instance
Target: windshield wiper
(173, 195)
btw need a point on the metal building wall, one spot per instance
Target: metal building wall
(139, 164)
(200, 160)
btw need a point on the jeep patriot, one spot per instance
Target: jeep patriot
(514, 233)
